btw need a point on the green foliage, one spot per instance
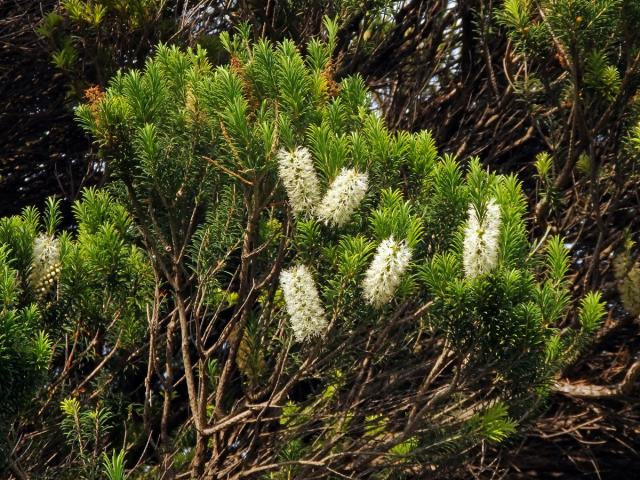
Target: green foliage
(577, 24)
(494, 423)
(65, 57)
(85, 431)
(557, 259)
(602, 76)
(90, 39)
(79, 11)
(576, 75)
(394, 218)
(114, 467)
(592, 312)
(544, 166)
(516, 16)
(583, 23)
(25, 350)
(49, 24)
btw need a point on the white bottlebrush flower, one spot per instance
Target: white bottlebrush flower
(385, 272)
(45, 265)
(343, 197)
(299, 179)
(303, 303)
(481, 241)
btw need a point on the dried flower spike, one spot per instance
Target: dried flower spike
(45, 266)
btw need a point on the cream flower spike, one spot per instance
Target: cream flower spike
(302, 301)
(300, 180)
(481, 237)
(383, 277)
(343, 197)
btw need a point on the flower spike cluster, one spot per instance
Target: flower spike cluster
(299, 179)
(481, 241)
(343, 197)
(303, 188)
(307, 315)
(45, 266)
(383, 277)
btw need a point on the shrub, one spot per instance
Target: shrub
(347, 300)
